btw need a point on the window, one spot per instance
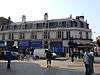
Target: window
(75, 23)
(23, 26)
(33, 36)
(10, 36)
(4, 28)
(80, 33)
(21, 36)
(87, 26)
(53, 24)
(63, 23)
(87, 37)
(8, 27)
(3, 36)
(46, 25)
(40, 25)
(67, 34)
(62, 34)
(1, 27)
(16, 27)
(59, 34)
(46, 35)
(71, 23)
(81, 24)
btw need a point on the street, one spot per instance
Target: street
(38, 67)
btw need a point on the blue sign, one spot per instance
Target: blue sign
(36, 44)
(23, 43)
(56, 46)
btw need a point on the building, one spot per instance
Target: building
(53, 34)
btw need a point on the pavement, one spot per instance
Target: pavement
(38, 67)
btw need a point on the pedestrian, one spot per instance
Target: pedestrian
(87, 62)
(72, 55)
(8, 56)
(48, 57)
(92, 61)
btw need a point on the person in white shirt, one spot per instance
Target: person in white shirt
(87, 62)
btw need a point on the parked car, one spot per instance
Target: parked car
(41, 53)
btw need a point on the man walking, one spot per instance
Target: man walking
(92, 61)
(87, 62)
(8, 57)
(48, 56)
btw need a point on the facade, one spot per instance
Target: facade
(53, 34)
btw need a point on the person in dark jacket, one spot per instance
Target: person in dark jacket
(48, 56)
(8, 57)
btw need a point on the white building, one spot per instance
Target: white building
(50, 32)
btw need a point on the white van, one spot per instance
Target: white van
(39, 53)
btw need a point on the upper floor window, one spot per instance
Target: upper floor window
(63, 23)
(17, 27)
(21, 35)
(23, 26)
(33, 36)
(81, 24)
(11, 36)
(67, 34)
(40, 25)
(87, 36)
(3, 36)
(80, 33)
(75, 23)
(46, 35)
(59, 34)
(46, 25)
(87, 26)
(71, 23)
(53, 24)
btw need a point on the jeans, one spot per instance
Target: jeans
(48, 61)
(87, 69)
(8, 64)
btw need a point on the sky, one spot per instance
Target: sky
(35, 9)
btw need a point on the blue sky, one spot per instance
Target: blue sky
(35, 9)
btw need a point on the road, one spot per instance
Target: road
(38, 67)
(35, 69)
